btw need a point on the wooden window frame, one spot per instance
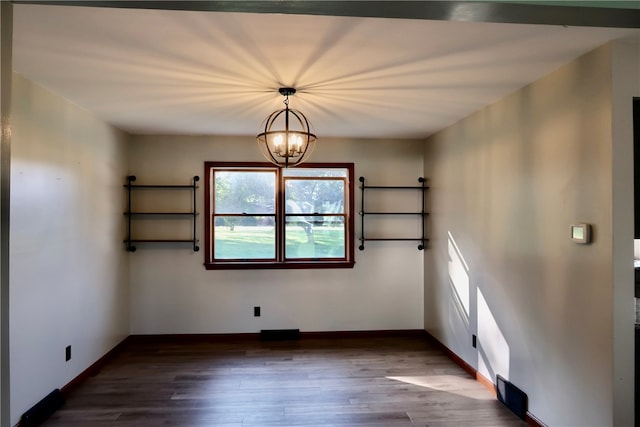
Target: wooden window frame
(281, 262)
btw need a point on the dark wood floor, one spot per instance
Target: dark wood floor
(365, 382)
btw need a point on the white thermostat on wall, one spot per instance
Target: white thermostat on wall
(581, 233)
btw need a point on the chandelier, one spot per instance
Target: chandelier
(286, 138)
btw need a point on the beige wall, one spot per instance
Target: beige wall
(68, 267)
(506, 183)
(173, 293)
(625, 78)
(6, 45)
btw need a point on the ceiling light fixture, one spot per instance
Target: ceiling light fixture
(286, 138)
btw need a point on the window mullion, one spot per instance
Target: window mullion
(280, 216)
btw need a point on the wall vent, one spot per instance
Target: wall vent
(514, 398)
(42, 410)
(279, 334)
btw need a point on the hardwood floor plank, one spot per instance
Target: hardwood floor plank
(346, 382)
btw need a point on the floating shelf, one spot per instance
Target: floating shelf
(129, 241)
(161, 213)
(422, 188)
(160, 241)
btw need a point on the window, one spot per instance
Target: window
(262, 216)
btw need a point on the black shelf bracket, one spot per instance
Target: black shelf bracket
(129, 241)
(363, 213)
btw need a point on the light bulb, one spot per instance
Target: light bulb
(295, 144)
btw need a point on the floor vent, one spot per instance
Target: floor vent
(42, 410)
(514, 398)
(279, 334)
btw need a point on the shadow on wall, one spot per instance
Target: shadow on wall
(492, 352)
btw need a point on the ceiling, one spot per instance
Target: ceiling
(157, 71)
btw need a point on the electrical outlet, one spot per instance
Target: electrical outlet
(256, 311)
(67, 353)
(474, 341)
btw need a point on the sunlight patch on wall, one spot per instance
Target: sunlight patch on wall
(492, 346)
(459, 278)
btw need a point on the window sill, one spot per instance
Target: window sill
(290, 265)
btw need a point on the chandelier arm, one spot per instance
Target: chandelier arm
(265, 151)
(303, 155)
(304, 122)
(272, 158)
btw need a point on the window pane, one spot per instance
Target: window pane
(244, 237)
(244, 192)
(315, 237)
(315, 172)
(314, 196)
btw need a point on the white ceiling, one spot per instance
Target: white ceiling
(190, 72)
